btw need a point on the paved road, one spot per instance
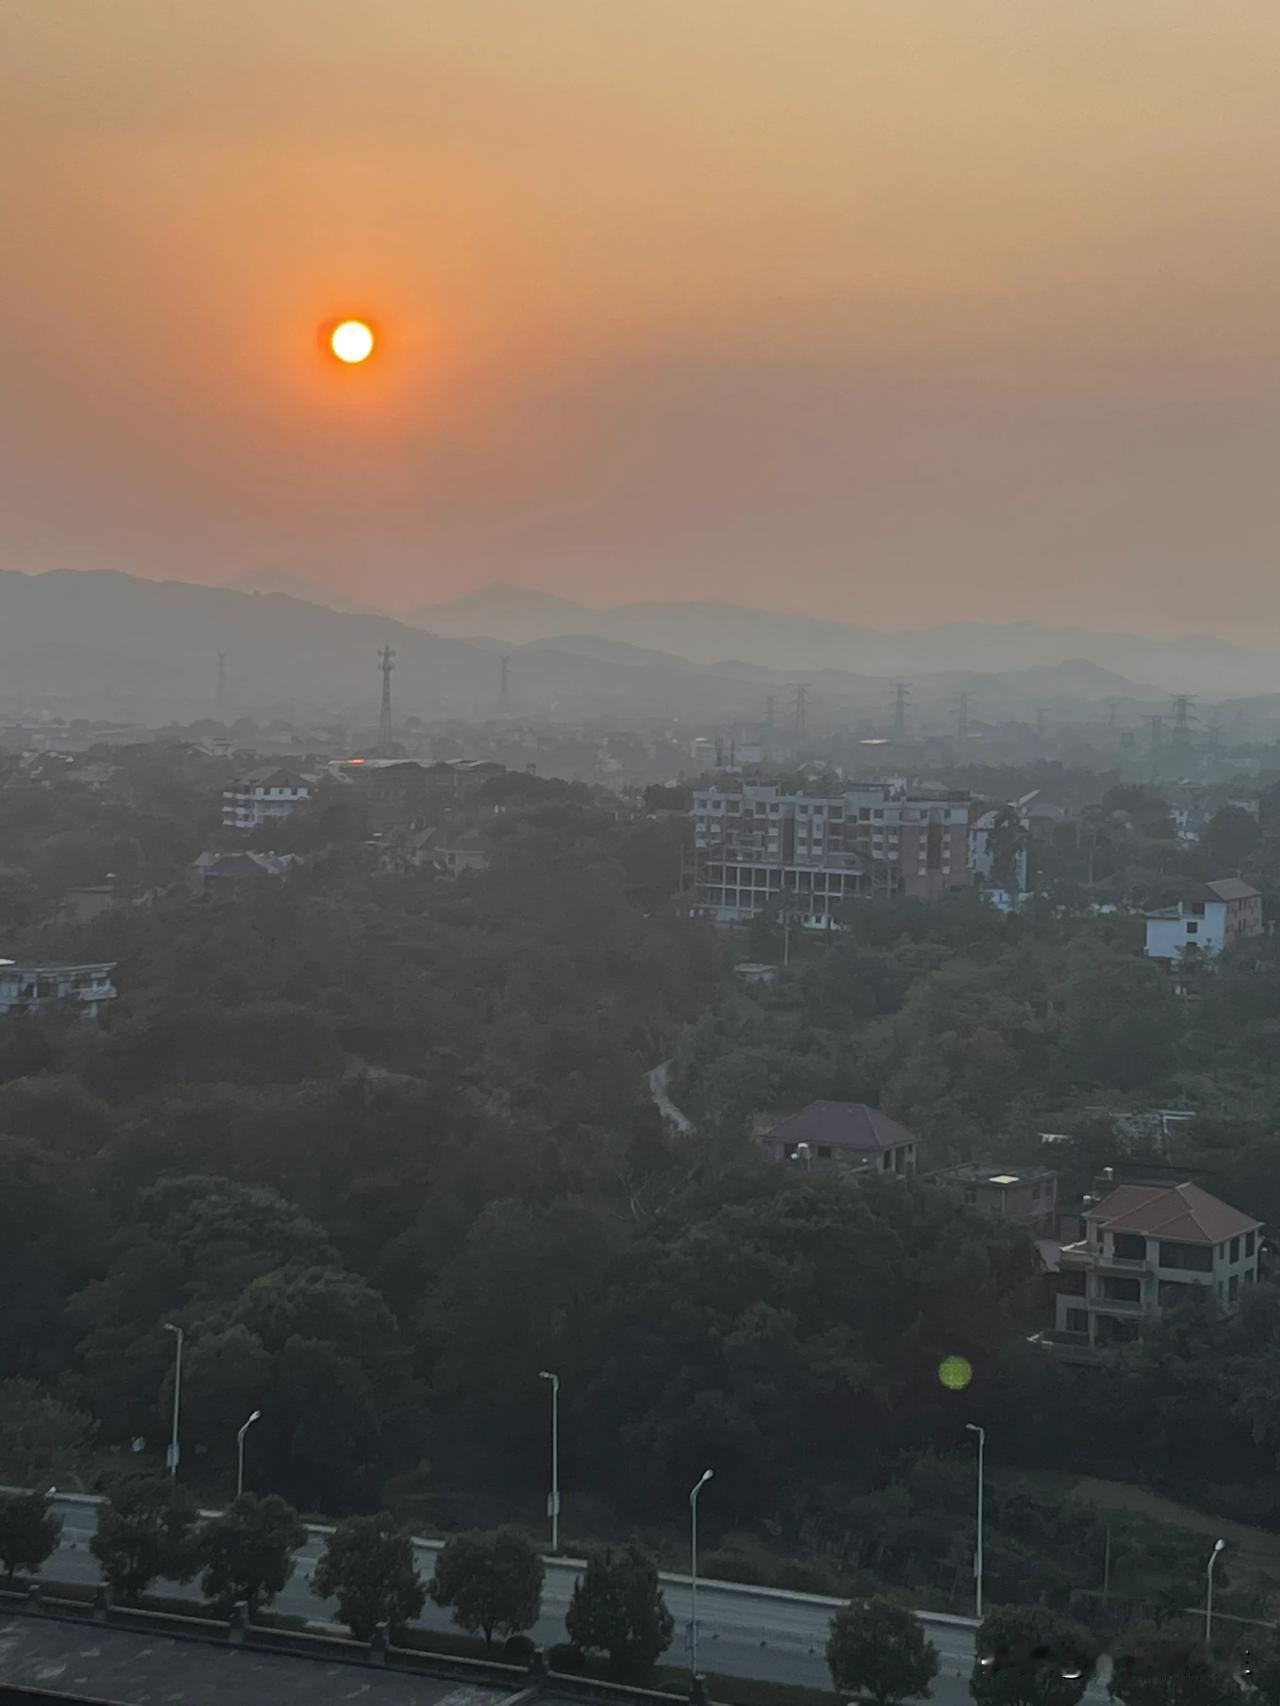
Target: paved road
(742, 1631)
(658, 1079)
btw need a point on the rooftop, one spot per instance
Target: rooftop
(1184, 1212)
(844, 1125)
(977, 1173)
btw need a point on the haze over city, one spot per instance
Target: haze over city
(900, 314)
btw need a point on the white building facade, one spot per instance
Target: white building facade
(1209, 918)
(263, 796)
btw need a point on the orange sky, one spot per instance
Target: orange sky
(906, 310)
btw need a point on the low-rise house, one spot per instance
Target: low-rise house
(1024, 1196)
(841, 1136)
(26, 988)
(1208, 918)
(223, 870)
(1145, 1246)
(263, 796)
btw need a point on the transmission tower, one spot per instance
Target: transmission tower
(901, 694)
(801, 698)
(220, 696)
(962, 715)
(386, 663)
(1042, 718)
(768, 710)
(504, 692)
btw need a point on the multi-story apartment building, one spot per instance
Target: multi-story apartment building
(25, 988)
(1144, 1247)
(757, 846)
(263, 796)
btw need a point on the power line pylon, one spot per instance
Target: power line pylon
(386, 663)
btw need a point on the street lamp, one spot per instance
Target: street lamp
(973, 1428)
(256, 1416)
(169, 1327)
(1208, 1592)
(553, 1502)
(693, 1572)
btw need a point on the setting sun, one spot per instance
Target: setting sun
(352, 341)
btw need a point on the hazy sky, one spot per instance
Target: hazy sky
(905, 310)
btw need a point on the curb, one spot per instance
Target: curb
(672, 1578)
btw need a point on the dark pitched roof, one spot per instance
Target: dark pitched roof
(1171, 1211)
(1226, 888)
(1231, 888)
(844, 1125)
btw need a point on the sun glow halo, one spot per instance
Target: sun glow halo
(352, 341)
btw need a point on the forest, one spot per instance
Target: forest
(382, 1144)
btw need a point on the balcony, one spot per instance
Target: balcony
(1118, 1306)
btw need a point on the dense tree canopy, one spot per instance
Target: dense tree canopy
(381, 1144)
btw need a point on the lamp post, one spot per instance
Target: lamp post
(693, 1572)
(174, 1453)
(1208, 1592)
(256, 1416)
(553, 1502)
(973, 1428)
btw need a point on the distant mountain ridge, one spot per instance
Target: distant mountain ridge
(711, 633)
(105, 643)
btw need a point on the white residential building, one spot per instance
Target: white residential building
(1209, 918)
(263, 796)
(26, 988)
(1145, 1247)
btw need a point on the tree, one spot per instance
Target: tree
(1261, 1670)
(1230, 836)
(1027, 1656)
(248, 1551)
(618, 1608)
(1008, 845)
(29, 1532)
(879, 1649)
(368, 1567)
(144, 1532)
(40, 1436)
(493, 1582)
(1152, 1671)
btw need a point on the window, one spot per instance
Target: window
(1196, 908)
(1130, 1246)
(1248, 1243)
(1122, 1290)
(1192, 929)
(1233, 1288)
(1071, 1283)
(1194, 1258)
(1077, 1320)
(1235, 1250)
